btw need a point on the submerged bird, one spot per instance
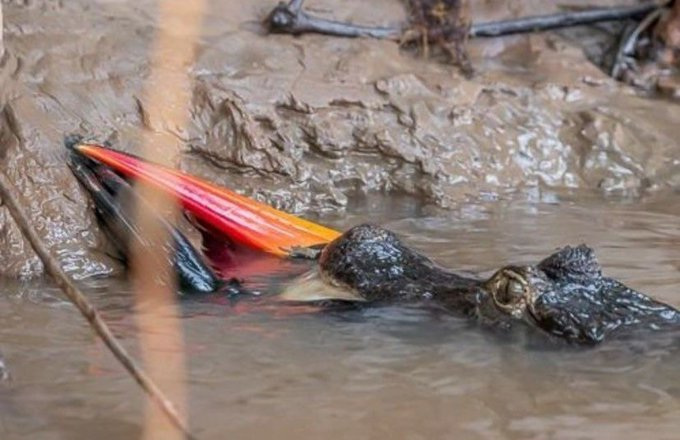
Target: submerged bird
(565, 295)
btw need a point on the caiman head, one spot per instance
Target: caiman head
(567, 296)
(564, 295)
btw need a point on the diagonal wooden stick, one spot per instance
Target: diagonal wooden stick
(88, 310)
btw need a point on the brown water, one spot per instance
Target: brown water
(261, 370)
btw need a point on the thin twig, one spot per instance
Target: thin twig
(291, 18)
(88, 310)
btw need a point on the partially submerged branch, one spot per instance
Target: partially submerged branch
(88, 310)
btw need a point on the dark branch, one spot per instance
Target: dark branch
(285, 19)
(560, 20)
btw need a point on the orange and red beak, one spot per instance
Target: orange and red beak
(246, 221)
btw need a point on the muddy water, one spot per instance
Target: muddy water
(262, 370)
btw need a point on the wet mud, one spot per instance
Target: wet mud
(306, 123)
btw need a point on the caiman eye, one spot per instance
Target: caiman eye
(511, 292)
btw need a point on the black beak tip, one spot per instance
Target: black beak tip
(77, 162)
(71, 140)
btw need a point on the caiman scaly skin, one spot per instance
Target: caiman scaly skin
(564, 295)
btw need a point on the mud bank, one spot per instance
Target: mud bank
(304, 122)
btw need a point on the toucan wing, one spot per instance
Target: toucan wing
(246, 221)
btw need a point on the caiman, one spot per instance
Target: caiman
(564, 295)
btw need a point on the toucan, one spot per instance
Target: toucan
(233, 225)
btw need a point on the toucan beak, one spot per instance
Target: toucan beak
(246, 221)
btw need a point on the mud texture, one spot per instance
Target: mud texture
(304, 122)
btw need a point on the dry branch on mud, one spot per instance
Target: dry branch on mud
(668, 33)
(445, 24)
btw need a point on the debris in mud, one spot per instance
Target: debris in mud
(668, 32)
(649, 53)
(441, 23)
